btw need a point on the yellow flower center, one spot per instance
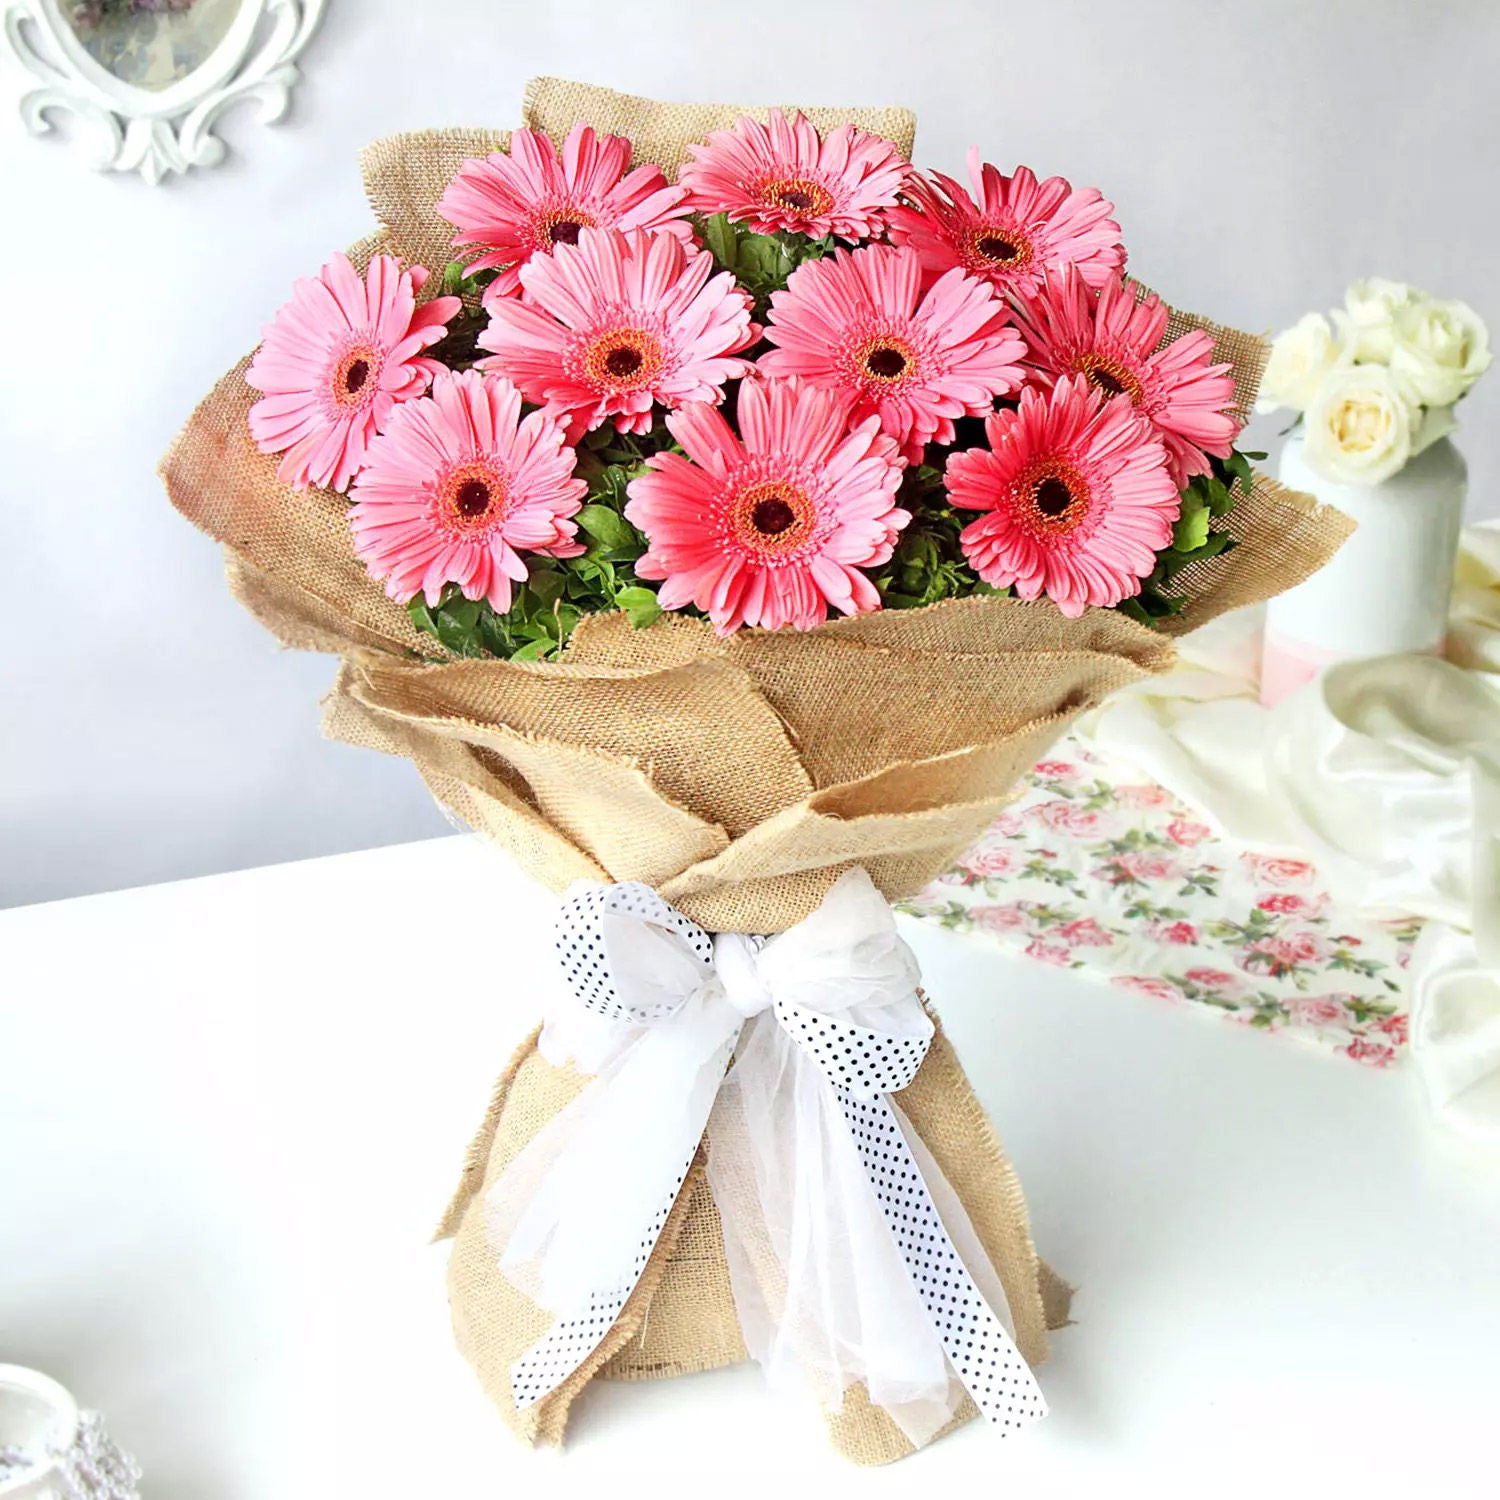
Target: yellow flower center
(1358, 426)
(1109, 375)
(562, 225)
(886, 359)
(354, 379)
(624, 359)
(1004, 247)
(1051, 497)
(773, 516)
(799, 195)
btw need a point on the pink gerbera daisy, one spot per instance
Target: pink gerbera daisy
(457, 485)
(524, 204)
(780, 176)
(771, 528)
(1078, 496)
(1115, 342)
(336, 360)
(1012, 231)
(858, 322)
(619, 323)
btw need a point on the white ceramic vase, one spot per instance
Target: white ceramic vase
(1386, 591)
(37, 1417)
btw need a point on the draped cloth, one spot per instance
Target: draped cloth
(1387, 773)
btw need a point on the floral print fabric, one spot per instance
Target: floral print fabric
(1094, 871)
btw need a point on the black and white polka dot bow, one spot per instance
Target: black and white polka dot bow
(844, 1266)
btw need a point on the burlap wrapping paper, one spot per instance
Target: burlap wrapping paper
(739, 776)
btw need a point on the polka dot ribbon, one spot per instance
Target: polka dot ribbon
(842, 986)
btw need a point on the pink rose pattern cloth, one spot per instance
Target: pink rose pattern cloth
(1090, 870)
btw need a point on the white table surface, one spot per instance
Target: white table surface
(231, 1110)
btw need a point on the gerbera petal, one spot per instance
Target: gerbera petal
(1010, 231)
(617, 324)
(456, 484)
(1077, 497)
(773, 530)
(857, 322)
(335, 360)
(518, 206)
(1114, 340)
(781, 177)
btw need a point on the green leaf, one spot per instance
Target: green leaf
(494, 634)
(762, 259)
(421, 616)
(1191, 530)
(547, 584)
(606, 526)
(459, 638)
(640, 604)
(722, 242)
(1220, 497)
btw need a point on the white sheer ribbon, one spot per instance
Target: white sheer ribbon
(850, 1255)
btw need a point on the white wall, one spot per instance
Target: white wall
(1260, 156)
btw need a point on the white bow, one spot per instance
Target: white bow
(850, 1256)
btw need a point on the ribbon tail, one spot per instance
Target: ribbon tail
(571, 1339)
(577, 1213)
(981, 1351)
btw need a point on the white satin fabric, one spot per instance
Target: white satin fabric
(822, 1291)
(1387, 773)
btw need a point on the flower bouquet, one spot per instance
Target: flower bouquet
(726, 548)
(1374, 387)
(1374, 384)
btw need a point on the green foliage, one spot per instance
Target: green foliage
(761, 263)
(558, 592)
(1207, 499)
(459, 347)
(928, 563)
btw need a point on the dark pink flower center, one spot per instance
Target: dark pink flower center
(623, 362)
(885, 363)
(1051, 498)
(773, 517)
(800, 195)
(562, 225)
(352, 382)
(473, 496)
(998, 247)
(623, 359)
(1110, 376)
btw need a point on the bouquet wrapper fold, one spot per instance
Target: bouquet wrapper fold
(738, 776)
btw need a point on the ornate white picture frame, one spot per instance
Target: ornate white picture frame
(151, 88)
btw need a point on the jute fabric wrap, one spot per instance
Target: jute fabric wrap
(740, 776)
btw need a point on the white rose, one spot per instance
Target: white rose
(1300, 357)
(1370, 308)
(1359, 426)
(1441, 349)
